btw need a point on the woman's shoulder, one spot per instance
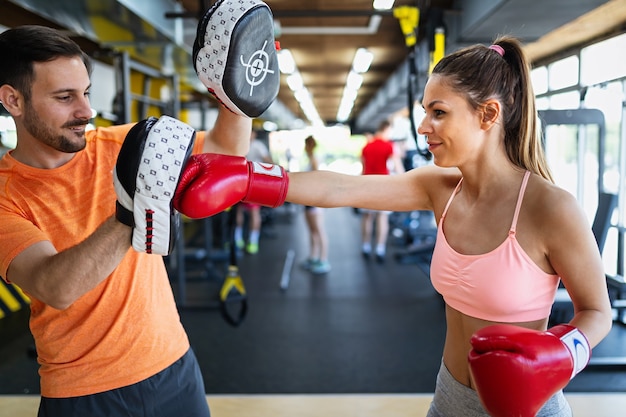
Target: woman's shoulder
(547, 192)
(437, 178)
(436, 183)
(550, 202)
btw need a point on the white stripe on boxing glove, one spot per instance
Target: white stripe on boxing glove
(576, 343)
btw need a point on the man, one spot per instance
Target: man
(108, 335)
(259, 153)
(376, 156)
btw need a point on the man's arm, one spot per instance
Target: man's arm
(60, 278)
(230, 135)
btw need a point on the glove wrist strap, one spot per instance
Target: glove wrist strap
(124, 215)
(576, 343)
(268, 184)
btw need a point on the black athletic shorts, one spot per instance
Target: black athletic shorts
(177, 391)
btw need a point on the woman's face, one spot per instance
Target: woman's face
(450, 124)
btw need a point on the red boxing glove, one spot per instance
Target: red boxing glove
(211, 183)
(517, 370)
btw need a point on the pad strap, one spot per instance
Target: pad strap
(124, 215)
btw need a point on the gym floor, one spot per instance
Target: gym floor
(363, 332)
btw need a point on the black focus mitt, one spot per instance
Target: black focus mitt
(234, 55)
(146, 174)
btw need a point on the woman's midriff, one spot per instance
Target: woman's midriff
(460, 329)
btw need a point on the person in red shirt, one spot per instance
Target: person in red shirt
(378, 156)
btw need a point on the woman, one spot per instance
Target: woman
(317, 262)
(506, 233)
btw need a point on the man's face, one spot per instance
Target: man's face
(58, 109)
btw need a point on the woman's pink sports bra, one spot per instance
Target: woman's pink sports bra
(503, 285)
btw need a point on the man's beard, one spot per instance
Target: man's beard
(39, 130)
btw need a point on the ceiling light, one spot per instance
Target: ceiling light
(354, 81)
(306, 104)
(349, 95)
(344, 110)
(302, 95)
(346, 104)
(294, 81)
(287, 65)
(362, 60)
(286, 62)
(361, 63)
(383, 4)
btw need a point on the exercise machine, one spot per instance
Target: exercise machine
(607, 203)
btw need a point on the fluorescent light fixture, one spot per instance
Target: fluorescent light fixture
(361, 63)
(354, 81)
(362, 60)
(294, 81)
(286, 63)
(346, 104)
(306, 104)
(302, 96)
(349, 95)
(344, 110)
(383, 4)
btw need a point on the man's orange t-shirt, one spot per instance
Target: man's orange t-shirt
(124, 330)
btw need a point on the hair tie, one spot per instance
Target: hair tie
(498, 49)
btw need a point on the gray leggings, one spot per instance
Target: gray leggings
(453, 399)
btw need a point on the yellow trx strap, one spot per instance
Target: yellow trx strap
(233, 291)
(409, 17)
(233, 285)
(440, 47)
(233, 298)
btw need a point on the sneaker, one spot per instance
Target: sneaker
(308, 263)
(320, 267)
(239, 244)
(380, 257)
(252, 248)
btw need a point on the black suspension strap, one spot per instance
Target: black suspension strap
(233, 298)
(408, 17)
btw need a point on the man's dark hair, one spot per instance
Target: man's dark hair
(384, 124)
(23, 46)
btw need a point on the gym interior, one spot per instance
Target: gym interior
(366, 337)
